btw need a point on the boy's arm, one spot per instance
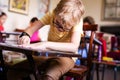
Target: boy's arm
(59, 46)
(25, 36)
(31, 30)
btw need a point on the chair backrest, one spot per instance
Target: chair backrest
(93, 29)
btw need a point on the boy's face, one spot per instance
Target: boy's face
(60, 25)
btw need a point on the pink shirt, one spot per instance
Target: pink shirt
(35, 37)
(1, 28)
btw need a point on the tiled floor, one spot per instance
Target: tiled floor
(109, 74)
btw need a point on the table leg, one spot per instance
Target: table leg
(3, 68)
(103, 71)
(92, 73)
(33, 66)
(115, 73)
(97, 71)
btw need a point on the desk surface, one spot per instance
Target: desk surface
(27, 51)
(13, 47)
(112, 63)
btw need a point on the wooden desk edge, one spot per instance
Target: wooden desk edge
(4, 46)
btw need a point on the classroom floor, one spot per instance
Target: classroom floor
(109, 74)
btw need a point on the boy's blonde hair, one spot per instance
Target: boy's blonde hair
(70, 11)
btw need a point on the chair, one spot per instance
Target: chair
(115, 48)
(78, 72)
(107, 61)
(114, 64)
(5, 66)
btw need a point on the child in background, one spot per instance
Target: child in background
(35, 37)
(88, 20)
(3, 18)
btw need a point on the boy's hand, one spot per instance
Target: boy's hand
(24, 40)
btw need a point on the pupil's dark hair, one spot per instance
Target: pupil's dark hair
(34, 19)
(2, 14)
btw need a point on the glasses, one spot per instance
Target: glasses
(59, 26)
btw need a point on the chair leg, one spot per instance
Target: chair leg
(97, 71)
(3, 74)
(103, 71)
(92, 73)
(115, 73)
(36, 76)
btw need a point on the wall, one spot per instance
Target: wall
(53, 4)
(20, 21)
(17, 20)
(94, 9)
